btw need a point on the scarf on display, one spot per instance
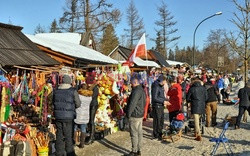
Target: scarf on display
(21, 93)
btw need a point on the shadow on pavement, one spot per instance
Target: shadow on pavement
(113, 146)
(185, 147)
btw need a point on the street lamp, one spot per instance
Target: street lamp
(217, 13)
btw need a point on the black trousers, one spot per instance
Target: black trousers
(172, 115)
(242, 109)
(92, 112)
(158, 121)
(64, 138)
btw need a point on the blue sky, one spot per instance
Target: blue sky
(188, 13)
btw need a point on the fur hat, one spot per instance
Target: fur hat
(66, 79)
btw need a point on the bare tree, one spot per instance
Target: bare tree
(39, 29)
(70, 21)
(239, 43)
(216, 47)
(98, 15)
(165, 25)
(135, 23)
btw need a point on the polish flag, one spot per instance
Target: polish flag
(140, 49)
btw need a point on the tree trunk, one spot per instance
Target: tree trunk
(87, 24)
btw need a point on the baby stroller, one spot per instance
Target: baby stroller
(174, 131)
(190, 121)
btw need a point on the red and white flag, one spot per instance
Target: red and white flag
(140, 49)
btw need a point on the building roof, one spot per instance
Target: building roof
(160, 58)
(17, 49)
(125, 52)
(70, 48)
(174, 63)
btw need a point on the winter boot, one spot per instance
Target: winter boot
(198, 138)
(82, 140)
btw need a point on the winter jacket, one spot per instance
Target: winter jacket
(94, 102)
(175, 97)
(220, 83)
(82, 113)
(65, 101)
(183, 88)
(197, 95)
(212, 93)
(136, 102)
(244, 96)
(158, 96)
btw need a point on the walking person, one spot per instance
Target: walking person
(158, 102)
(244, 103)
(82, 117)
(211, 103)
(220, 86)
(65, 101)
(197, 96)
(135, 112)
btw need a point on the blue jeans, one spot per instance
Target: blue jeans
(82, 127)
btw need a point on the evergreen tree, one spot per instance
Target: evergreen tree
(135, 24)
(54, 27)
(171, 55)
(165, 25)
(158, 44)
(109, 40)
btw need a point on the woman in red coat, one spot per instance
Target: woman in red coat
(175, 98)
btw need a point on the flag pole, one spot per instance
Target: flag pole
(146, 51)
(147, 58)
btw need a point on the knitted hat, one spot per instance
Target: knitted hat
(161, 78)
(66, 79)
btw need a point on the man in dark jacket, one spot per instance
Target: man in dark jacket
(135, 112)
(244, 103)
(65, 101)
(158, 102)
(211, 103)
(197, 96)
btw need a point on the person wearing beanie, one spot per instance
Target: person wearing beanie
(65, 101)
(158, 102)
(175, 98)
(244, 103)
(211, 104)
(197, 96)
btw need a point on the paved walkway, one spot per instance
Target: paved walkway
(119, 143)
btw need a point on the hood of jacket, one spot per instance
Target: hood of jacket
(197, 84)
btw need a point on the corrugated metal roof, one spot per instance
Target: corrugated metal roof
(17, 49)
(160, 58)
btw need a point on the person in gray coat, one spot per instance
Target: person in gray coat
(135, 112)
(82, 117)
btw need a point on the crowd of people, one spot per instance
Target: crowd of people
(177, 93)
